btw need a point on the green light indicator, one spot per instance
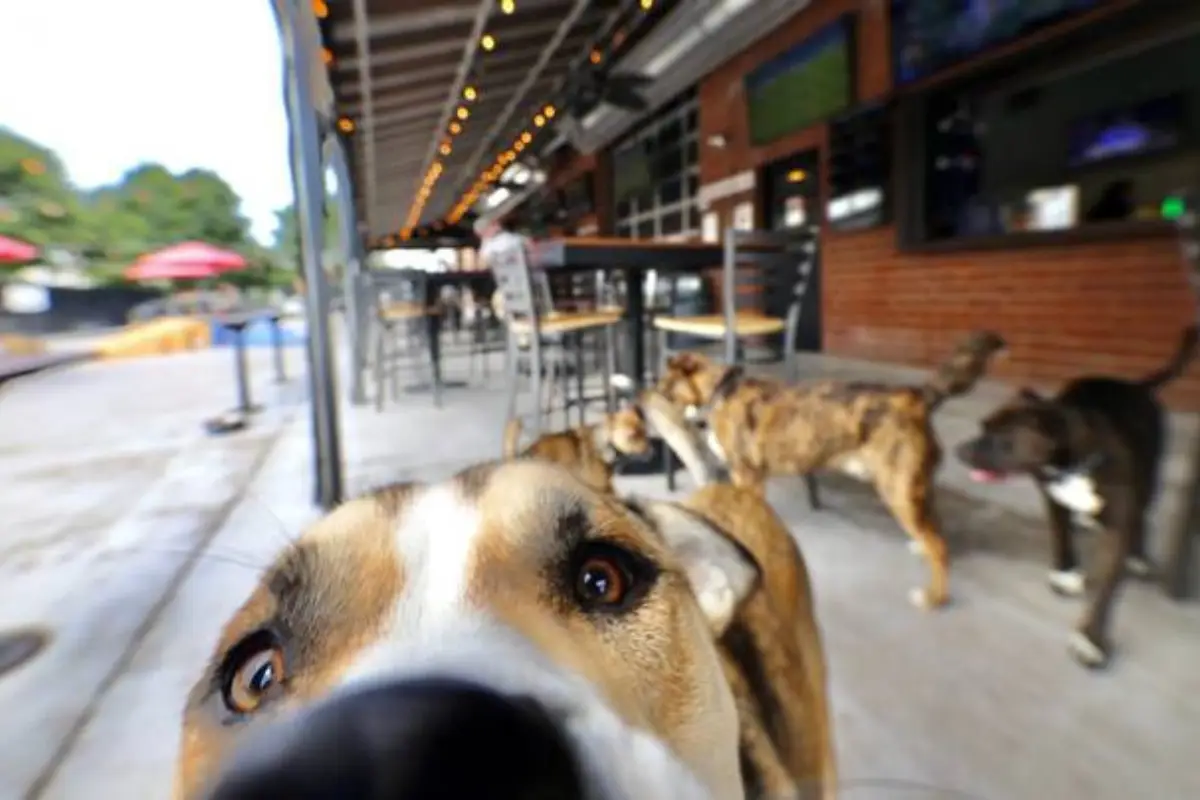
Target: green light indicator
(1172, 207)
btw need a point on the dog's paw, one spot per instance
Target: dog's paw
(916, 548)
(1067, 582)
(924, 599)
(1139, 567)
(1086, 651)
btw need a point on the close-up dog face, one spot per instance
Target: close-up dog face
(505, 633)
(1022, 436)
(627, 432)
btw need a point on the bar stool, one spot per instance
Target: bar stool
(544, 336)
(399, 333)
(785, 262)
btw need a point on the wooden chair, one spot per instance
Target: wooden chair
(542, 334)
(785, 262)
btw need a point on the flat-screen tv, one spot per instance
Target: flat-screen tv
(804, 85)
(930, 35)
(1136, 129)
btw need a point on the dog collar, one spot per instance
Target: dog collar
(1084, 467)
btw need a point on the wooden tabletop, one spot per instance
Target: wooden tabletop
(240, 319)
(611, 252)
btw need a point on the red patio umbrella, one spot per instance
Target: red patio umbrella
(16, 252)
(187, 261)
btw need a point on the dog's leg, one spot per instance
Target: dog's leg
(1137, 563)
(1066, 578)
(1089, 643)
(810, 486)
(907, 497)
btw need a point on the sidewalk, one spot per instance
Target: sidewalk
(109, 487)
(981, 697)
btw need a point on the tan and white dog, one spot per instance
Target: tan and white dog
(508, 633)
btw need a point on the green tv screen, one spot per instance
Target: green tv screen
(807, 84)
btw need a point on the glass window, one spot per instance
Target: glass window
(1113, 140)
(670, 191)
(668, 138)
(672, 222)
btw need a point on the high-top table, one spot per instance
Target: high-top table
(236, 322)
(632, 258)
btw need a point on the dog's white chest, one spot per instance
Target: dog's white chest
(1078, 493)
(714, 446)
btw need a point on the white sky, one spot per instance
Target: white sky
(109, 84)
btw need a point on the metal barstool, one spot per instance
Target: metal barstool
(399, 333)
(545, 336)
(785, 262)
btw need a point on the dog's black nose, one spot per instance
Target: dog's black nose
(421, 739)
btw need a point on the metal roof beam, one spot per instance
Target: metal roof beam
(440, 16)
(563, 30)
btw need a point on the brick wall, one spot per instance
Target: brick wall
(1112, 307)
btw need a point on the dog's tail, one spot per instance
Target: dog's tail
(1177, 364)
(512, 437)
(959, 373)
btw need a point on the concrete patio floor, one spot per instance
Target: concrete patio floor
(131, 536)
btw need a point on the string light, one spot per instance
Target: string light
(539, 120)
(549, 112)
(445, 149)
(526, 137)
(469, 93)
(646, 4)
(507, 6)
(320, 9)
(462, 112)
(595, 56)
(488, 42)
(455, 129)
(326, 56)
(345, 125)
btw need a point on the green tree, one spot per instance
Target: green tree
(287, 234)
(37, 202)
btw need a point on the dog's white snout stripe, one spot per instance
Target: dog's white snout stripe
(435, 542)
(618, 762)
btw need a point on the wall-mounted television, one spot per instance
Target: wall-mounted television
(930, 35)
(804, 85)
(1150, 126)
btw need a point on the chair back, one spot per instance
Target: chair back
(384, 287)
(525, 295)
(785, 265)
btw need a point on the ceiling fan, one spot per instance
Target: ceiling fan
(589, 87)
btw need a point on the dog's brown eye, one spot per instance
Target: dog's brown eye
(601, 582)
(610, 579)
(250, 680)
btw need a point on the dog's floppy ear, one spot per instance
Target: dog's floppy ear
(685, 363)
(721, 572)
(1027, 395)
(728, 383)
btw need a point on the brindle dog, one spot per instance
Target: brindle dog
(879, 433)
(590, 451)
(1094, 451)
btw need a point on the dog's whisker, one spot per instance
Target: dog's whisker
(239, 559)
(280, 527)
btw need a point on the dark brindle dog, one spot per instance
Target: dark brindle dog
(880, 433)
(1094, 450)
